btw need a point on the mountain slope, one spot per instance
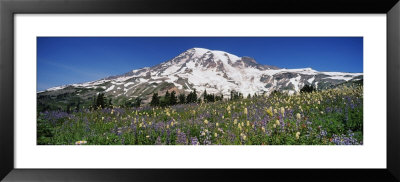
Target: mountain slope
(217, 72)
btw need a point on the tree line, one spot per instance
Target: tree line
(212, 97)
(171, 99)
(100, 101)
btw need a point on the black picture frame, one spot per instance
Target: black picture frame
(8, 8)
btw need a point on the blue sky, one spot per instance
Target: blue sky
(67, 60)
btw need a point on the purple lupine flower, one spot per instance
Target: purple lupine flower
(194, 141)
(181, 138)
(322, 134)
(344, 140)
(231, 136)
(54, 116)
(207, 141)
(328, 109)
(168, 136)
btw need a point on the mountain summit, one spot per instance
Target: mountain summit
(218, 72)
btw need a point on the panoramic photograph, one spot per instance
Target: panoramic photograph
(199, 91)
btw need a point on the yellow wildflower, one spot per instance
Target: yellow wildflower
(297, 135)
(245, 111)
(205, 121)
(298, 116)
(243, 136)
(269, 111)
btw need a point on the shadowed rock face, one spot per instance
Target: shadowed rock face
(250, 62)
(217, 71)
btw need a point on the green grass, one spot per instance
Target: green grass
(328, 117)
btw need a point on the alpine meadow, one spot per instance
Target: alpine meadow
(199, 91)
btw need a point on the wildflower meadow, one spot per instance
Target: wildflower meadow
(325, 117)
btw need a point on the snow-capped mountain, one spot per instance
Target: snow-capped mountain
(217, 72)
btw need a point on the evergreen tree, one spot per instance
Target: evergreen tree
(110, 103)
(233, 95)
(307, 88)
(94, 102)
(173, 99)
(194, 95)
(219, 98)
(167, 98)
(46, 108)
(182, 98)
(78, 104)
(155, 100)
(189, 98)
(249, 96)
(68, 110)
(127, 104)
(236, 95)
(205, 96)
(100, 101)
(275, 92)
(137, 103)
